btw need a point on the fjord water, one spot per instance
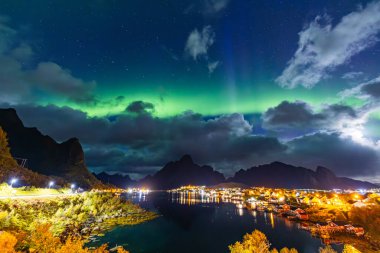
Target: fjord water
(195, 225)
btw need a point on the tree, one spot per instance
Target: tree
(6, 159)
(286, 250)
(7, 242)
(42, 240)
(255, 242)
(350, 249)
(327, 249)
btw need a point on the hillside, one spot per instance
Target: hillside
(44, 155)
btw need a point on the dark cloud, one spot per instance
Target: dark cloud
(140, 144)
(345, 156)
(299, 115)
(152, 141)
(140, 107)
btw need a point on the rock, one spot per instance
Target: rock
(281, 175)
(44, 154)
(183, 172)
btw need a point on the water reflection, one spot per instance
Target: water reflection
(271, 220)
(193, 198)
(203, 224)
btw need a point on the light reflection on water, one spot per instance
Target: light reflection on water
(191, 198)
(203, 224)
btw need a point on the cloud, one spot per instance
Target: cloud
(212, 7)
(51, 77)
(140, 107)
(23, 52)
(322, 47)
(301, 116)
(141, 143)
(369, 91)
(146, 140)
(20, 84)
(199, 42)
(344, 155)
(212, 66)
(352, 75)
(372, 89)
(291, 120)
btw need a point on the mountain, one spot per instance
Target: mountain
(44, 155)
(183, 172)
(283, 175)
(121, 181)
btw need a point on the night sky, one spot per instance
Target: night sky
(233, 83)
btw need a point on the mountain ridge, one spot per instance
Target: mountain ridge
(282, 175)
(44, 155)
(183, 172)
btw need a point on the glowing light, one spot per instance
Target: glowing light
(13, 181)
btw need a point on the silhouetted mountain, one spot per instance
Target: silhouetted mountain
(183, 172)
(121, 181)
(283, 175)
(44, 154)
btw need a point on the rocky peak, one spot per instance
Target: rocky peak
(187, 159)
(44, 155)
(9, 118)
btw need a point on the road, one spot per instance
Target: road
(40, 196)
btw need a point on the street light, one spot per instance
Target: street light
(51, 183)
(13, 181)
(72, 187)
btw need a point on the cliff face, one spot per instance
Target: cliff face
(184, 172)
(282, 175)
(44, 154)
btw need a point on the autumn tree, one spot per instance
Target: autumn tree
(350, 249)
(7, 242)
(256, 242)
(327, 249)
(6, 159)
(42, 240)
(287, 250)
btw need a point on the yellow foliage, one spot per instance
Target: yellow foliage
(42, 240)
(327, 249)
(255, 242)
(350, 249)
(286, 250)
(121, 250)
(7, 242)
(73, 245)
(6, 159)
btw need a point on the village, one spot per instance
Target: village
(327, 214)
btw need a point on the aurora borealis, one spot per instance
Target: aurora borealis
(233, 83)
